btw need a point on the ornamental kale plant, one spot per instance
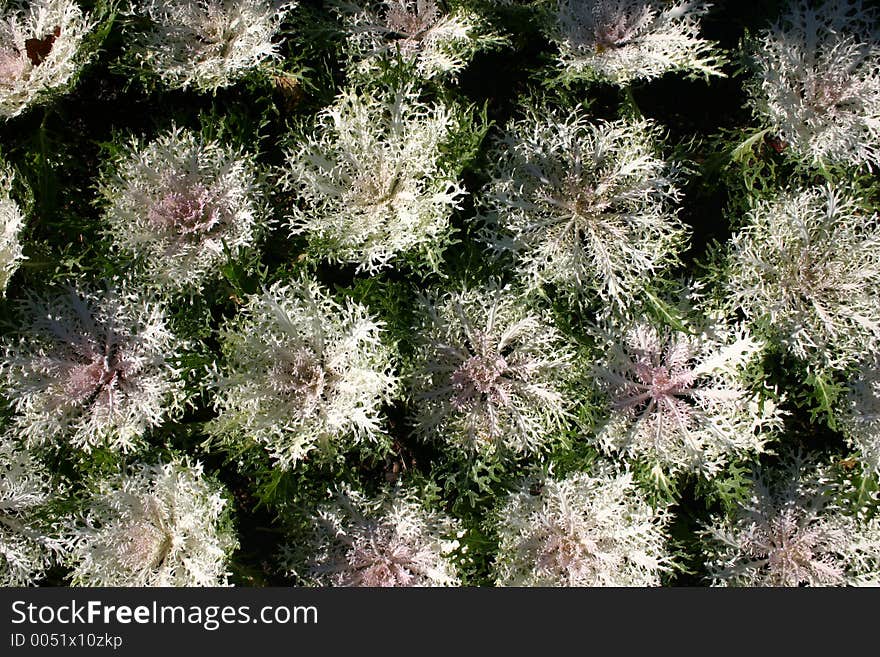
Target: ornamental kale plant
(489, 374)
(678, 399)
(804, 270)
(302, 372)
(41, 50)
(182, 205)
(420, 293)
(154, 525)
(387, 540)
(625, 40)
(859, 414)
(207, 45)
(12, 221)
(28, 544)
(586, 205)
(586, 529)
(437, 42)
(372, 182)
(91, 368)
(792, 531)
(818, 82)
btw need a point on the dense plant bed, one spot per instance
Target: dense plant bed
(440, 293)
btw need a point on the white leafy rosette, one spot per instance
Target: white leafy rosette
(182, 205)
(40, 51)
(210, 44)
